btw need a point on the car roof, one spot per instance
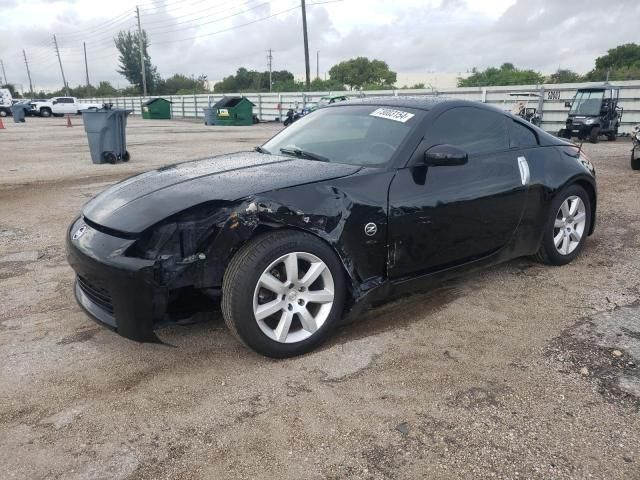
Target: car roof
(422, 102)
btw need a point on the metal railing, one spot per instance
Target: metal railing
(274, 106)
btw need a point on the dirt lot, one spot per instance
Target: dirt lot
(521, 371)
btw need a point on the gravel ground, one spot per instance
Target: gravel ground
(520, 371)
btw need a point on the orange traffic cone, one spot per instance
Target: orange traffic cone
(1, 124)
(69, 124)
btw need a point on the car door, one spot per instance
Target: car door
(443, 216)
(57, 105)
(64, 105)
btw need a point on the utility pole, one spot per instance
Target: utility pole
(306, 44)
(269, 62)
(64, 80)
(4, 74)
(317, 63)
(142, 65)
(86, 65)
(28, 72)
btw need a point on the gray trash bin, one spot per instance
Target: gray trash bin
(18, 112)
(209, 115)
(106, 132)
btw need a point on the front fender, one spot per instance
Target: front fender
(335, 212)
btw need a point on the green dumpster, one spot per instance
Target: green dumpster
(234, 111)
(157, 109)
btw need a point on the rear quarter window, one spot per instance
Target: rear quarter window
(521, 136)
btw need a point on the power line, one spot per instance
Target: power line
(100, 37)
(158, 12)
(281, 12)
(216, 9)
(175, 40)
(123, 17)
(209, 22)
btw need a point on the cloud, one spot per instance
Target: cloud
(411, 36)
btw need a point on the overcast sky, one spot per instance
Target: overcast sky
(215, 37)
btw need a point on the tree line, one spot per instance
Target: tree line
(620, 63)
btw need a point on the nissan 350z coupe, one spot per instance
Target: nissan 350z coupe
(356, 203)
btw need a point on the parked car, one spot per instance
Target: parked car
(352, 205)
(26, 103)
(328, 100)
(59, 106)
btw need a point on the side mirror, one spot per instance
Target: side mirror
(54, 102)
(567, 104)
(445, 155)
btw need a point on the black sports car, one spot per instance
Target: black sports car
(354, 204)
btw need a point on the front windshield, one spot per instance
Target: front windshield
(354, 134)
(587, 103)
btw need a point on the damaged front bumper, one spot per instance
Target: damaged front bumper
(123, 293)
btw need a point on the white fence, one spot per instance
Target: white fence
(272, 106)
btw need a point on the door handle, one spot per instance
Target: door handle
(525, 174)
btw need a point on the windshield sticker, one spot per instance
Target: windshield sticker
(392, 114)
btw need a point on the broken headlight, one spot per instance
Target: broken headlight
(182, 238)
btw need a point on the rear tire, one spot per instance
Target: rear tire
(593, 135)
(126, 157)
(3, 113)
(262, 273)
(612, 137)
(635, 161)
(563, 238)
(109, 157)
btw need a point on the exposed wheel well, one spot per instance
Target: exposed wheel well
(592, 199)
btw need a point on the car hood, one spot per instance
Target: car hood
(141, 201)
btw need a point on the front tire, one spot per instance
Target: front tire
(283, 293)
(567, 228)
(593, 135)
(45, 112)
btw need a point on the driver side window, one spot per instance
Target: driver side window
(475, 130)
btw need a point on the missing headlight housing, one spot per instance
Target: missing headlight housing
(181, 235)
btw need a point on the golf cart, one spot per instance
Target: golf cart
(594, 111)
(635, 150)
(524, 109)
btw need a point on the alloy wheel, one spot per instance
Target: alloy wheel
(569, 225)
(293, 297)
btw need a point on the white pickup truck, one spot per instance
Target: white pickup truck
(6, 100)
(59, 106)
